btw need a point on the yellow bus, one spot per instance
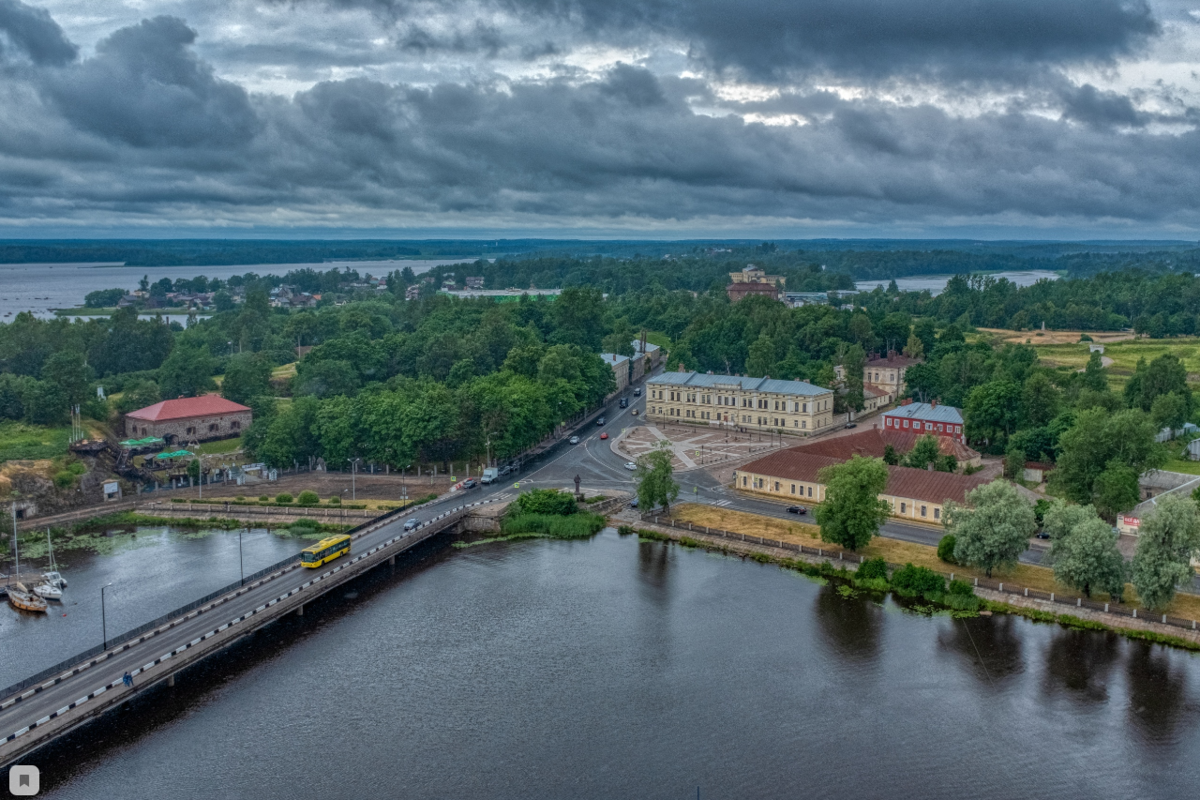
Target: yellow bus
(325, 551)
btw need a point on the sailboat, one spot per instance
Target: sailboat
(53, 577)
(18, 595)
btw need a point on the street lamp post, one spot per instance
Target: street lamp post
(241, 560)
(353, 472)
(103, 619)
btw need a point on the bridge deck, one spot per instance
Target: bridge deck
(40, 713)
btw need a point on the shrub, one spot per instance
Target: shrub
(77, 468)
(960, 588)
(911, 581)
(335, 500)
(64, 479)
(305, 527)
(546, 501)
(283, 498)
(872, 568)
(262, 498)
(308, 498)
(946, 548)
(555, 526)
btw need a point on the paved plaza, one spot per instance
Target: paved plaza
(694, 447)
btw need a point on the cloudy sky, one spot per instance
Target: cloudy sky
(640, 118)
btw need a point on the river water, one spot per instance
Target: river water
(614, 668)
(42, 287)
(936, 284)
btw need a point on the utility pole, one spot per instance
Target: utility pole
(353, 472)
(103, 619)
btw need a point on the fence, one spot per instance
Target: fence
(179, 612)
(836, 554)
(205, 510)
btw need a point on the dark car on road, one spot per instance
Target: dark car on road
(851, 424)
(470, 483)
(624, 403)
(602, 420)
(637, 392)
(797, 510)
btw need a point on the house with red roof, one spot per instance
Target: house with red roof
(185, 419)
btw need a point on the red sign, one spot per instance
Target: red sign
(1132, 522)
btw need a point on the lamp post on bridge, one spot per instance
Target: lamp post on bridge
(103, 619)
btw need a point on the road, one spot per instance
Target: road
(592, 460)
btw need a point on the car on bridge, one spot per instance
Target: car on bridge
(411, 524)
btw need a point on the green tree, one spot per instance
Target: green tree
(1097, 438)
(1169, 411)
(993, 529)
(915, 348)
(890, 456)
(138, 394)
(1040, 401)
(852, 511)
(186, 372)
(993, 411)
(761, 358)
(924, 453)
(1087, 558)
(656, 478)
(1061, 517)
(926, 330)
(69, 375)
(1014, 462)
(1167, 540)
(1094, 376)
(1163, 375)
(1115, 489)
(854, 362)
(246, 375)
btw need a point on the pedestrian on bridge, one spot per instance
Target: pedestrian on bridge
(127, 680)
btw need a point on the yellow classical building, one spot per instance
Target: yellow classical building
(733, 401)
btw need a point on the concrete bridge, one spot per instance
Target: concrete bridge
(36, 711)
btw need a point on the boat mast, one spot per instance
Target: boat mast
(16, 552)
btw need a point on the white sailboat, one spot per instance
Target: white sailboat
(53, 577)
(51, 586)
(18, 595)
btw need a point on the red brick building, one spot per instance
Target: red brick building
(201, 418)
(926, 418)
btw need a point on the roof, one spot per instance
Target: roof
(207, 405)
(637, 346)
(1043, 466)
(907, 482)
(871, 442)
(927, 412)
(892, 360)
(747, 287)
(705, 381)
(871, 390)
(612, 359)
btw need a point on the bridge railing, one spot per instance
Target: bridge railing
(121, 638)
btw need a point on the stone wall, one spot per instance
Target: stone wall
(217, 426)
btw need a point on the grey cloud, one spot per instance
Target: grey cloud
(145, 130)
(147, 88)
(33, 33)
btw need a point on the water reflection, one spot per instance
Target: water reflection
(992, 645)
(1157, 692)
(653, 564)
(1080, 662)
(849, 624)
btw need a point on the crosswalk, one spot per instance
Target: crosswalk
(722, 503)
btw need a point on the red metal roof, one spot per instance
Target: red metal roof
(207, 405)
(907, 482)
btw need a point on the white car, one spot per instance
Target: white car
(574, 440)
(629, 465)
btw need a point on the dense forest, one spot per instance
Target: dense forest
(436, 378)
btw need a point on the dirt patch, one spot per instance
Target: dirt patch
(1056, 337)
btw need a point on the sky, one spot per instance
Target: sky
(1033, 119)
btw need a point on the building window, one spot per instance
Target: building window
(937, 513)
(743, 481)
(213, 428)
(777, 486)
(939, 428)
(803, 424)
(191, 430)
(906, 423)
(235, 425)
(903, 507)
(810, 491)
(793, 488)
(922, 511)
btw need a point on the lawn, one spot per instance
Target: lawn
(220, 446)
(284, 371)
(19, 441)
(1186, 606)
(660, 339)
(1125, 356)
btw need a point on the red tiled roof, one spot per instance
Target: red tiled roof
(871, 443)
(907, 482)
(894, 360)
(207, 405)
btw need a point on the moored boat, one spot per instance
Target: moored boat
(22, 598)
(48, 592)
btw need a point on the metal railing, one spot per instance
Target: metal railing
(837, 554)
(120, 639)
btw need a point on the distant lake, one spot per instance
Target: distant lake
(41, 287)
(936, 284)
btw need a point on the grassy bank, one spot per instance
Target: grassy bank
(1184, 606)
(21, 442)
(515, 527)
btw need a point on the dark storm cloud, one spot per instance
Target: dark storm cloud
(146, 87)
(955, 40)
(144, 129)
(33, 33)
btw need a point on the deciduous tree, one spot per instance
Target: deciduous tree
(656, 478)
(852, 511)
(1168, 538)
(993, 529)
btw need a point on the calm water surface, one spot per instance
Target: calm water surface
(621, 669)
(42, 287)
(936, 284)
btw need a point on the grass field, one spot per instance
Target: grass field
(1124, 356)
(1185, 606)
(660, 339)
(284, 371)
(220, 446)
(19, 441)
